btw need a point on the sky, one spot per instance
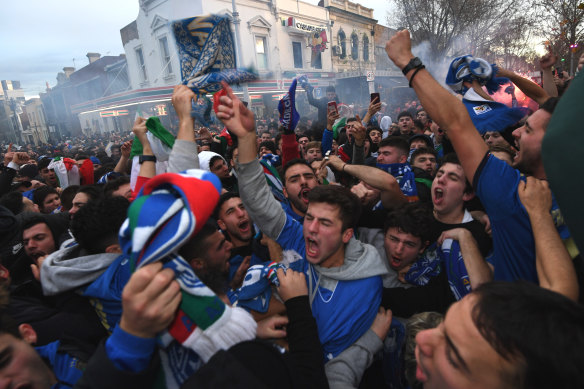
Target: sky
(38, 38)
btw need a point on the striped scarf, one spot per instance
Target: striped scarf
(168, 211)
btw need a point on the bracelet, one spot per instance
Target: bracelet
(414, 75)
(343, 169)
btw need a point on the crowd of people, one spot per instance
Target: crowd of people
(347, 249)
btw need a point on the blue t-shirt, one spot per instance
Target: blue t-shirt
(343, 314)
(513, 256)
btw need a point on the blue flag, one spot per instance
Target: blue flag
(289, 117)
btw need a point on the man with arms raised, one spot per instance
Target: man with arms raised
(343, 275)
(494, 181)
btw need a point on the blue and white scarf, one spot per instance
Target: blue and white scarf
(436, 259)
(207, 57)
(289, 117)
(405, 176)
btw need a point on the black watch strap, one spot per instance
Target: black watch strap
(146, 158)
(413, 64)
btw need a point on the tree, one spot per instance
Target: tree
(484, 28)
(562, 25)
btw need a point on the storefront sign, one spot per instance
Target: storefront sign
(293, 23)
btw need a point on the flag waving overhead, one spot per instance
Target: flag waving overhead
(289, 117)
(207, 57)
(207, 53)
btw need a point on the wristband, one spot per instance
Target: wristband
(414, 75)
(146, 158)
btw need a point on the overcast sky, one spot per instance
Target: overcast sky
(39, 37)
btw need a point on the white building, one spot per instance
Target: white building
(281, 39)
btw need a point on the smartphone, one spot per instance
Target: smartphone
(375, 96)
(332, 107)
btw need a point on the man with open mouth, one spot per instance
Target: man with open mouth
(343, 274)
(234, 221)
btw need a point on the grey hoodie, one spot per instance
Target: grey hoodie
(71, 268)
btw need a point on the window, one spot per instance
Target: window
(365, 48)
(316, 60)
(141, 65)
(354, 46)
(261, 52)
(165, 54)
(343, 44)
(297, 52)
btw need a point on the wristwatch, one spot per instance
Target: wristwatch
(146, 158)
(413, 64)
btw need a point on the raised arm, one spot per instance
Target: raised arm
(442, 106)
(253, 188)
(530, 88)
(477, 268)
(546, 63)
(554, 265)
(184, 154)
(377, 178)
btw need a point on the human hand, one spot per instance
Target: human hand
(535, 195)
(374, 107)
(240, 273)
(292, 284)
(182, 98)
(36, 267)
(382, 323)
(359, 132)
(235, 116)
(399, 48)
(580, 63)
(457, 234)
(204, 133)
(149, 301)
(139, 129)
(8, 155)
(335, 162)
(272, 327)
(548, 60)
(331, 118)
(126, 148)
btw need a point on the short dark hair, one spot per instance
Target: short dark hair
(396, 141)
(39, 194)
(269, 145)
(214, 159)
(405, 113)
(550, 105)
(421, 151)
(537, 329)
(94, 192)
(44, 162)
(330, 88)
(289, 164)
(96, 225)
(111, 186)
(453, 158)
(67, 196)
(413, 218)
(348, 203)
(197, 245)
(222, 199)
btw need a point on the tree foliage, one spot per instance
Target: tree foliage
(562, 25)
(492, 29)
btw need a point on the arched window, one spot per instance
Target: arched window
(354, 46)
(342, 43)
(365, 48)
